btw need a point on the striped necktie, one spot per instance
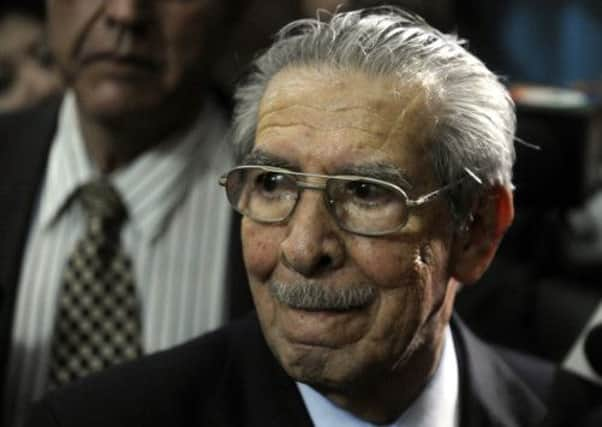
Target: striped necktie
(98, 317)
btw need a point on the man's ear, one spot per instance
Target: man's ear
(475, 245)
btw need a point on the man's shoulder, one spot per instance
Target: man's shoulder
(29, 129)
(25, 119)
(167, 387)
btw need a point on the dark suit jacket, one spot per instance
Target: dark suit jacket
(230, 378)
(26, 138)
(24, 147)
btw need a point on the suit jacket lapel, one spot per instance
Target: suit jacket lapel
(491, 393)
(23, 154)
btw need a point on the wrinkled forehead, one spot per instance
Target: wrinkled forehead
(345, 116)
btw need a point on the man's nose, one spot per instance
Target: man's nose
(313, 243)
(128, 14)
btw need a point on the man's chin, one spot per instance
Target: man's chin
(313, 364)
(325, 372)
(309, 365)
(107, 98)
(119, 106)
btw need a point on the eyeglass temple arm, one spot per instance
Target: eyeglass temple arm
(433, 194)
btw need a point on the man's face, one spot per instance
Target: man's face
(130, 56)
(329, 122)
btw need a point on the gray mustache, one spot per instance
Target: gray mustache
(311, 296)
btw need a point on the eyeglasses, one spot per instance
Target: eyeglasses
(359, 204)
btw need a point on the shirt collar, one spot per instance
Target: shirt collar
(152, 185)
(436, 406)
(68, 164)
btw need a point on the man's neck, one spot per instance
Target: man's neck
(115, 143)
(388, 396)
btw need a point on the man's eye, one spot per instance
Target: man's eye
(367, 192)
(269, 182)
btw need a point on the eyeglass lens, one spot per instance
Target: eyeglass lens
(358, 205)
(262, 195)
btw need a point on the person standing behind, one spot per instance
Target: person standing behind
(115, 241)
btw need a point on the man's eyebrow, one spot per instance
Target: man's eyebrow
(263, 158)
(382, 171)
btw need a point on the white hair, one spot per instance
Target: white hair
(473, 115)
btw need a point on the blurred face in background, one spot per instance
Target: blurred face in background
(27, 72)
(132, 57)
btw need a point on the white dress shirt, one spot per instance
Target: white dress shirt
(436, 406)
(177, 234)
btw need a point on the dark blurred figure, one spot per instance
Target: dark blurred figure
(439, 13)
(115, 239)
(27, 70)
(252, 33)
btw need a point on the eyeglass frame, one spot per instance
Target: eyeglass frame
(301, 185)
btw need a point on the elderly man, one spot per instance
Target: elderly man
(375, 178)
(114, 238)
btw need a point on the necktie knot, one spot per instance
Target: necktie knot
(102, 203)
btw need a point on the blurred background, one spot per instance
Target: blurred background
(546, 281)
(27, 71)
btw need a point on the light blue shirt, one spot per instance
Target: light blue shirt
(436, 406)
